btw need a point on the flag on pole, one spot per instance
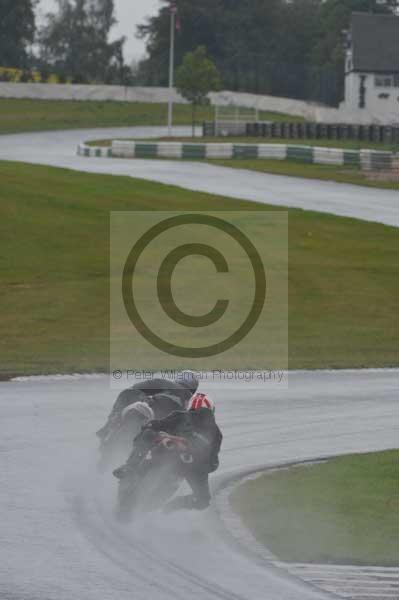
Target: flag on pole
(174, 11)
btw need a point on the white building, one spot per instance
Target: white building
(372, 68)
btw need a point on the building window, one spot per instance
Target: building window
(386, 81)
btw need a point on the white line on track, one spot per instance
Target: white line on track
(345, 581)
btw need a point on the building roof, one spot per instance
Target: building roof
(375, 43)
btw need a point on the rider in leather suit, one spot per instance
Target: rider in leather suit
(198, 425)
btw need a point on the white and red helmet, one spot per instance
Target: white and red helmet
(201, 401)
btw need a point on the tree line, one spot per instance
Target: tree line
(292, 48)
(73, 42)
(282, 47)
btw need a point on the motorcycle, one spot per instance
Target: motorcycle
(153, 476)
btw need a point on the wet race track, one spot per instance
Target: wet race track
(59, 538)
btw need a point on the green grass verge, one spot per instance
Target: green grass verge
(344, 511)
(294, 168)
(42, 115)
(18, 115)
(54, 257)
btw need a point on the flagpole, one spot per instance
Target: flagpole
(171, 66)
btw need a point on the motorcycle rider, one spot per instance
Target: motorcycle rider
(163, 396)
(198, 425)
(119, 440)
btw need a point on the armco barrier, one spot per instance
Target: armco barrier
(366, 159)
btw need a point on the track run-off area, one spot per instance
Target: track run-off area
(59, 537)
(59, 149)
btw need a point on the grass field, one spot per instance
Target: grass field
(54, 232)
(344, 511)
(42, 115)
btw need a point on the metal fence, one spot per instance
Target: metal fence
(232, 119)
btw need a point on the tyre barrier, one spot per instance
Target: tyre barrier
(304, 130)
(366, 159)
(97, 151)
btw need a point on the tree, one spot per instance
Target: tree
(279, 47)
(17, 31)
(202, 25)
(75, 42)
(196, 77)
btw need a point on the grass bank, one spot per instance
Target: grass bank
(54, 282)
(294, 168)
(344, 511)
(23, 115)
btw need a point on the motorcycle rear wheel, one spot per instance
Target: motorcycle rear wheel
(146, 493)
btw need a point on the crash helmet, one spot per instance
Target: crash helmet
(165, 403)
(199, 401)
(188, 379)
(140, 409)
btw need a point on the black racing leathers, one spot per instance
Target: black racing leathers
(164, 396)
(199, 426)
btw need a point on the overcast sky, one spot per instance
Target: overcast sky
(129, 14)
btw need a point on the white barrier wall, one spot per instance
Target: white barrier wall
(261, 102)
(116, 93)
(308, 110)
(52, 91)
